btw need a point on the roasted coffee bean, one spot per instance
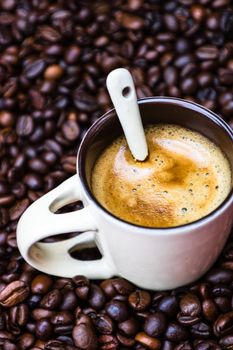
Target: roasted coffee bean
(190, 305)
(129, 327)
(139, 300)
(220, 290)
(209, 309)
(69, 301)
(62, 318)
(34, 69)
(26, 341)
(223, 324)
(17, 210)
(41, 284)
(156, 324)
(149, 342)
(220, 276)
(96, 297)
(167, 345)
(82, 286)
(19, 315)
(117, 310)
(223, 304)
(226, 342)
(125, 341)
(187, 320)
(14, 293)
(169, 305)
(24, 126)
(84, 337)
(51, 300)
(107, 342)
(43, 329)
(39, 313)
(176, 332)
(112, 287)
(201, 330)
(103, 324)
(70, 130)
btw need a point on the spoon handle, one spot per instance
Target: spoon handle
(122, 92)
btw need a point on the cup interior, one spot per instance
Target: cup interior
(153, 110)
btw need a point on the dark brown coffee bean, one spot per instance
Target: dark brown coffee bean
(82, 286)
(149, 342)
(51, 300)
(26, 341)
(209, 310)
(104, 324)
(125, 341)
(223, 304)
(207, 52)
(155, 325)
(220, 276)
(69, 301)
(201, 330)
(122, 286)
(72, 54)
(62, 318)
(129, 327)
(167, 345)
(84, 102)
(84, 337)
(189, 86)
(50, 34)
(38, 166)
(14, 293)
(39, 313)
(224, 325)
(71, 130)
(4, 217)
(117, 310)
(169, 305)
(190, 305)
(43, 329)
(108, 342)
(129, 21)
(220, 290)
(225, 76)
(226, 342)
(24, 126)
(112, 287)
(41, 284)
(19, 314)
(228, 108)
(96, 297)
(176, 332)
(17, 210)
(139, 300)
(34, 68)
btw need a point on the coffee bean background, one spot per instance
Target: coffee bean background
(54, 59)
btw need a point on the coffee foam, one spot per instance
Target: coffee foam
(185, 177)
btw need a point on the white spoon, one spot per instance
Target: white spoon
(122, 92)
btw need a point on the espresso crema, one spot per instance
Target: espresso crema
(185, 177)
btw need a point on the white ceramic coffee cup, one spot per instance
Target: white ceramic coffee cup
(153, 258)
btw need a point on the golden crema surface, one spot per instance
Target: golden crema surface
(185, 177)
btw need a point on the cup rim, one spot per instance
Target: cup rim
(171, 100)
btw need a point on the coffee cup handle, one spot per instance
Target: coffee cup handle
(40, 221)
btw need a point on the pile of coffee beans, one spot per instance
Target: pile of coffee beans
(54, 59)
